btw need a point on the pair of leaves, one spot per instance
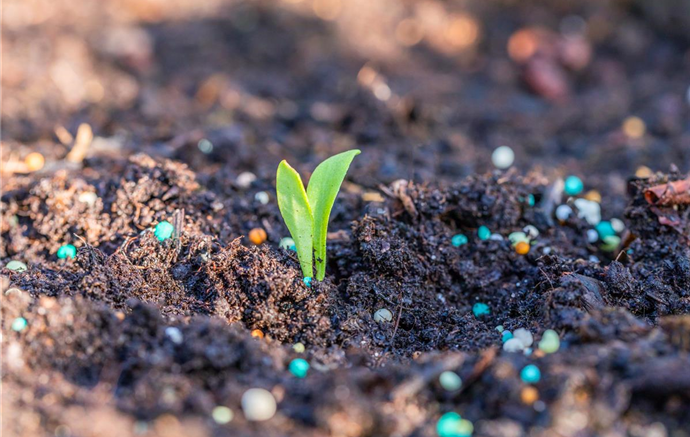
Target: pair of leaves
(306, 213)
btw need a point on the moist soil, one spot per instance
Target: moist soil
(140, 337)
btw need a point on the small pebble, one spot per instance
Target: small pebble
(516, 237)
(531, 201)
(17, 266)
(174, 334)
(67, 251)
(503, 157)
(593, 259)
(617, 225)
(590, 211)
(13, 291)
(288, 244)
(258, 404)
(307, 281)
(573, 186)
(483, 233)
(34, 161)
(634, 127)
(141, 427)
(205, 146)
(299, 348)
(450, 381)
(261, 197)
(593, 196)
(513, 345)
(447, 425)
(299, 367)
(611, 243)
(245, 179)
(458, 240)
(506, 335)
(522, 248)
(563, 212)
(222, 415)
(550, 342)
(524, 336)
(605, 229)
(88, 197)
(643, 172)
(480, 309)
(499, 328)
(257, 333)
(530, 374)
(531, 231)
(592, 235)
(496, 237)
(529, 395)
(163, 230)
(383, 315)
(465, 428)
(528, 351)
(257, 236)
(19, 324)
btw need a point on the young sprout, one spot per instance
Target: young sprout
(306, 213)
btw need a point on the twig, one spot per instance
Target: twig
(81, 144)
(547, 277)
(395, 331)
(63, 135)
(397, 323)
(486, 359)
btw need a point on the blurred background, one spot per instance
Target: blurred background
(426, 88)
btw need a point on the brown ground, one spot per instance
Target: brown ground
(265, 81)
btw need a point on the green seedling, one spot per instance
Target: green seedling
(306, 212)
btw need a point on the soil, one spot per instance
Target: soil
(264, 81)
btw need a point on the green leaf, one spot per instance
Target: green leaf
(322, 190)
(295, 209)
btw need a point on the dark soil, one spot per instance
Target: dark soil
(266, 81)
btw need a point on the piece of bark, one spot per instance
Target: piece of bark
(672, 193)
